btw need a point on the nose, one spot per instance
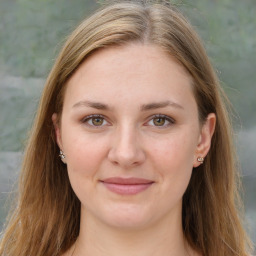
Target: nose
(126, 150)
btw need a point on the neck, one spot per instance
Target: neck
(99, 239)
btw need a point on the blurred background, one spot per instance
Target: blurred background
(33, 31)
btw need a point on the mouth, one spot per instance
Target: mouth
(127, 186)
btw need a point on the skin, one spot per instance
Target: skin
(131, 141)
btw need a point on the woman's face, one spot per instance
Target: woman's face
(131, 136)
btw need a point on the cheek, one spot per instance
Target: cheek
(174, 151)
(84, 160)
(173, 160)
(84, 154)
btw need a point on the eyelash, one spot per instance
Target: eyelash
(167, 118)
(90, 117)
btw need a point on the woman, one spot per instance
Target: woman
(134, 110)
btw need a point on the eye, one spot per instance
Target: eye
(95, 120)
(161, 121)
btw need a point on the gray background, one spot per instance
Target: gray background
(32, 32)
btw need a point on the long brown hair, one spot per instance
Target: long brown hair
(46, 218)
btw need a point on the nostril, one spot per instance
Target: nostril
(115, 162)
(125, 149)
(126, 158)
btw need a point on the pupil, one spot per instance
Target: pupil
(159, 121)
(97, 121)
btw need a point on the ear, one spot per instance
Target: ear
(57, 130)
(204, 141)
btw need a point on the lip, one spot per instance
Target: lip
(127, 186)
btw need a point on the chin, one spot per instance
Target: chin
(128, 218)
(128, 224)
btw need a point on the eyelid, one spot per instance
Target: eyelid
(87, 118)
(168, 118)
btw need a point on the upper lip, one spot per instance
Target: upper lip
(127, 181)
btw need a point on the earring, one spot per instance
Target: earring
(200, 159)
(62, 156)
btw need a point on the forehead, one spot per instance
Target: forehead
(132, 55)
(134, 71)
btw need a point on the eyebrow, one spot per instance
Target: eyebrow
(144, 107)
(91, 104)
(156, 105)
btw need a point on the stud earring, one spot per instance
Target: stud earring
(62, 156)
(200, 159)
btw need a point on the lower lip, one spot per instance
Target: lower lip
(127, 189)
